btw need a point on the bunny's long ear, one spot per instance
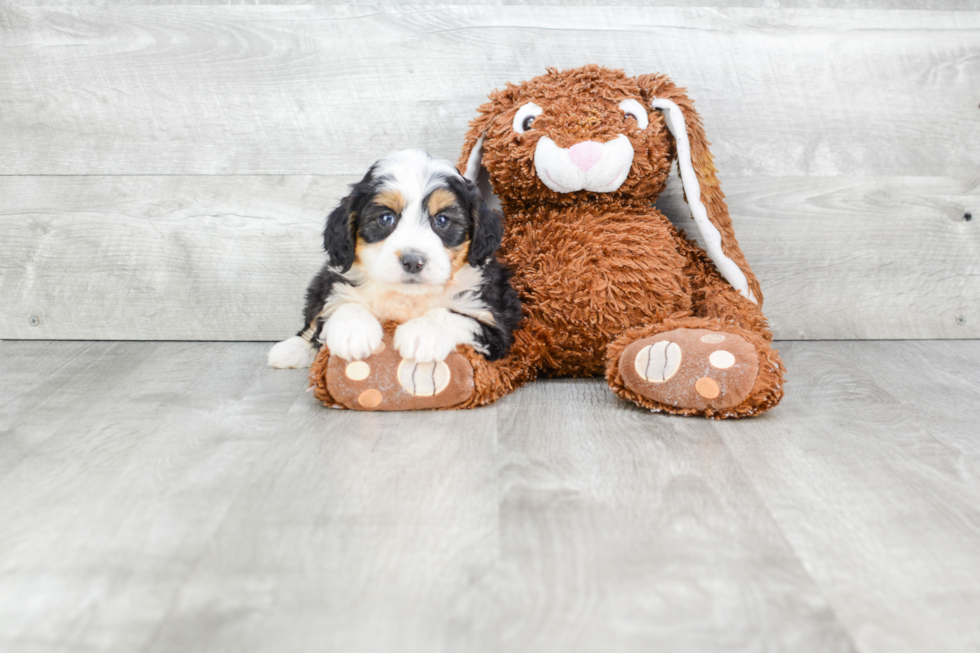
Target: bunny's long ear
(471, 161)
(700, 181)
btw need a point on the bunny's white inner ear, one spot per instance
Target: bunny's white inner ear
(479, 175)
(712, 237)
(474, 163)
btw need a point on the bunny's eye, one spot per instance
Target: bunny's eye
(635, 110)
(525, 116)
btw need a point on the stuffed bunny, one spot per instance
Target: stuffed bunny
(608, 285)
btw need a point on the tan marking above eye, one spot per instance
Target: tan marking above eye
(440, 200)
(391, 199)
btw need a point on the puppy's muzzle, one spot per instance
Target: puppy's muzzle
(412, 261)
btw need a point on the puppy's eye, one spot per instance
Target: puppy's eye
(386, 219)
(633, 109)
(525, 116)
(441, 221)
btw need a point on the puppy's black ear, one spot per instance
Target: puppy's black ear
(488, 228)
(338, 235)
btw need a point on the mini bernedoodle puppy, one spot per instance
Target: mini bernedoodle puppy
(413, 243)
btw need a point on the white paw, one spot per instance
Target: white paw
(352, 332)
(290, 353)
(425, 340)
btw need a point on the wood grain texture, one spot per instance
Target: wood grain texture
(872, 470)
(181, 497)
(161, 258)
(127, 473)
(365, 532)
(325, 90)
(853, 258)
(198, 258)
(120, 462)
(126, 211)
(616, 528)
(928, 5)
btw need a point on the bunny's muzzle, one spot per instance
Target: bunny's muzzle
(589, 165)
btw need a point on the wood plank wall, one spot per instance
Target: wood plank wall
(165, 170)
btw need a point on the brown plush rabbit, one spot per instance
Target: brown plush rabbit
(608, 284)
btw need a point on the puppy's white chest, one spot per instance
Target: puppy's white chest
(400, 308)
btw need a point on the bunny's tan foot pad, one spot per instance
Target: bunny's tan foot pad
(691, 368)
(386, 381)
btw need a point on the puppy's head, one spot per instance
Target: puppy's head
(412, 222)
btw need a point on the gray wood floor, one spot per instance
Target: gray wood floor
(182, 497)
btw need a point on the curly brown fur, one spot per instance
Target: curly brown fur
(596, 271)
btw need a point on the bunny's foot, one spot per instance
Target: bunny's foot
(691, 368)
(386, 381)
(716, 370)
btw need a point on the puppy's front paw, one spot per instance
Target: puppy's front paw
(291, 353)
(353, 333)
(424, 339)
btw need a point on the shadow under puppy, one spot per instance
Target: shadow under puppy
(411, 248)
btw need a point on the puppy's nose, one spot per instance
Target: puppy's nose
(585, 154)
(412, 261)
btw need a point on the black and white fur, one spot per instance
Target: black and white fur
(392, 257)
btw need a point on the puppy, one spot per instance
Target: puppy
(413, 243)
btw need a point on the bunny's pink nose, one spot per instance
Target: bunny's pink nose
(585, 154)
